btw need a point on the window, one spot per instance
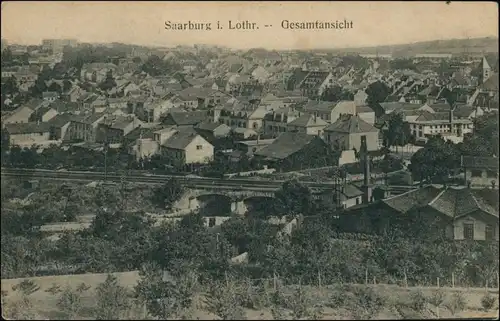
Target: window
(357, 200)
(475, 173)
(211, 222)
(198, 147)
(491, 174)
(469, 231)
(489, 233)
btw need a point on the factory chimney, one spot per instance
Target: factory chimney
(365, 159)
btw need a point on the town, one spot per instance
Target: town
(291, 167)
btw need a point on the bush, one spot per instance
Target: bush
(418, 301)
(437, 297)
(365, 303)
(457, 303)
(488, 301)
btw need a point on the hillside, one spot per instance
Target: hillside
(453, 46)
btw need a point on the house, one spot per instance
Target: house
(347, 132)
(360, 98)
(211, 131)
(59, 126)
(43, 114)
(80, 129)
(443, 123)
(480, 171)
(64, 106)
(249, 147)
(239, 115)
(330, 111)
(28, 134)
(25, 79)
(489, 66)
(113, 129)
(260, 74)
(186, 146)
(191, 118)
(292, 150)
(73, 94)
(315, 83)
(366, 113)
(465, 213)
(20, 115)
(276, 122)
(463, 111)
(308, 124)
(96, 72)
(350, 195)
(94, 120)
(50, 96)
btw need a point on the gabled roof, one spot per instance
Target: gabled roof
(208, 126)
(60, 120)
(491, 83)
(308, 120)
(351, 124)
(187, 118)
(450, 201)
(181, 139)
(286, 144)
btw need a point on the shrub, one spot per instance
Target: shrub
(457, 303)
(365, 303)
(418, 301)
(488, 301)
(437, 297)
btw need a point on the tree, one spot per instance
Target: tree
(377, 93)
(109, 82)
(163, 295)
(70, 301)
(222, 300)
(55, 87)
(9, 87)
(334, 93)
(165, 195)
(7, 58)
(436, 161)
(398, 132)
(112, 299)
(293, 198)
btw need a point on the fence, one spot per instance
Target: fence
(319, 279)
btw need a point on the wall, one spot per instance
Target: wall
(368, 117)
(145, 148)
(347, 157)
(21, 116)
(482, 180)
(371, 141)
(29, 139)
(203, 155)
(479, 228)
(352, 202)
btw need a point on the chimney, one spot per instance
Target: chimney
(366, 188)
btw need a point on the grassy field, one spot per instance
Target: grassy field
(44, 304)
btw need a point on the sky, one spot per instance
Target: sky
(374, 23)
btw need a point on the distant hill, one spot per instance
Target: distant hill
(474, 46)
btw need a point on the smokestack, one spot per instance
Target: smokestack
(366, 188)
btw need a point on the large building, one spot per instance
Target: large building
(57, 45)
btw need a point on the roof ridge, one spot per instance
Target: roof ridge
(437, 196)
